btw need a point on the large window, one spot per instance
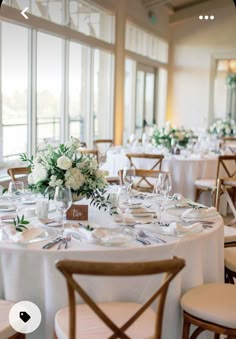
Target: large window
(79, 89)
(53, 86)
(145, 81)
(49, 88)
(144, 43)
(14, 77)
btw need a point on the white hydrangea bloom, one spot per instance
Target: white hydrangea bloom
(64, 162)
(30, 179)
(39, 173)
(74, 178)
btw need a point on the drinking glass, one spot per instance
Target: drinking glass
(161, 189)
(15, 194)
(63, 201)
(129, 178)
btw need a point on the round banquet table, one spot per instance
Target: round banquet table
(184, 169)
(27, 272)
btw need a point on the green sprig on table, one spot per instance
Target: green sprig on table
(20, 223)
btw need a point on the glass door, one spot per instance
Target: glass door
(145, 99)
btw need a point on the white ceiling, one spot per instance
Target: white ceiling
(182, 9)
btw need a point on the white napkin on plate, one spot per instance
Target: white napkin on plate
(179, 228)
(94, 235)
(9, 232)
(200, 213)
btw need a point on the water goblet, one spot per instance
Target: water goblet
(161, 189)
(63, 201)
(15, 194)
(129, 175)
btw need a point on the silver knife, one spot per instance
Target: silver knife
(52, 243)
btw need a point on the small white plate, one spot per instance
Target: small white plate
(7, 209)
(29, 202)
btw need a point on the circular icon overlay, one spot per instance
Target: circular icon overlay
(25, 317)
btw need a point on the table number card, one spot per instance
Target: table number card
(77, 212)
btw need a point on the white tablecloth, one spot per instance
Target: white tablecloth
(184, 170)
(29, 273)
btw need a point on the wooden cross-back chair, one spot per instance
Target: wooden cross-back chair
(113, 319)
(145, 179)
(6, 331)
(91, 152)
(210, 307)
(14, 171)
(155, 164)
(227, 186)
(102, 145)
(226, 166)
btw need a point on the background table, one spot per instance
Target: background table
(184, 170)
(29, 273)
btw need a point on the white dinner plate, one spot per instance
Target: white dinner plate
(45, 235)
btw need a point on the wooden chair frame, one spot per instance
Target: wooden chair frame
(91, 152)
(143, 174)
(223, 186)
(18, 336)
(221, 164)
(12, 172)
(158, 157)
(230, 275)
(204, 326)
(68, 268)
(101, 155)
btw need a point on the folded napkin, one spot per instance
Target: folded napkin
(181, 229)
(200, 213)
(8, 232)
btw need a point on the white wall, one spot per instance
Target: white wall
(193, 44)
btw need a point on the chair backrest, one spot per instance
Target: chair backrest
(12, 172)
(169, 267)
(145, 179)
(102, 145)
(226, 166)
(92, 152)
(224, 185)
(152, 161)
(83, 144)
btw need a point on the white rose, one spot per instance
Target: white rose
(64, 162)
(39, 173)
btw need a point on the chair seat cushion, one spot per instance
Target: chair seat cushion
(229, 234)
(215, 303)
(89, 326)
(205, 183)
(230, 258)
(6, 330)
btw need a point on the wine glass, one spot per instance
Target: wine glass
(161, 189)
(169, 180)
(63, 201)
(15, 193)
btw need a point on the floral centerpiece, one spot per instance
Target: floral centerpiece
(168, 136)
(65, 166)
(223, 128)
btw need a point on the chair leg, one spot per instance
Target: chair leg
(229, 276)
(186, 329)
(197, 194)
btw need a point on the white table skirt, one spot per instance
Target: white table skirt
(184, 170)
(29, 273)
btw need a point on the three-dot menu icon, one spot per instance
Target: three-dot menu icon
(206, 17)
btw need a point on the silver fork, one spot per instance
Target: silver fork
(64, 243)
(142, 234)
